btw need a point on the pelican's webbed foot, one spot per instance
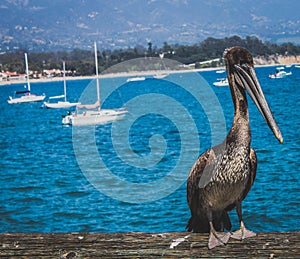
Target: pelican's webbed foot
(242, 233)
(218, 239)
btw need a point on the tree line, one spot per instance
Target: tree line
(81, 62)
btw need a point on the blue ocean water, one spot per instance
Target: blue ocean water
(51, 182)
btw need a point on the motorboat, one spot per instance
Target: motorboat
(280, 73)
(221, 82)
(220, 71)
(134, 79)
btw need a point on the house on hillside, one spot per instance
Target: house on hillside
(52, 73)
(11, 76)
(3, 77)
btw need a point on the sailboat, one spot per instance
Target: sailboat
(60, 104)
(161, 74)
(93, 114)
(27, 96)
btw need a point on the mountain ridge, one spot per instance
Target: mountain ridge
(69, 24)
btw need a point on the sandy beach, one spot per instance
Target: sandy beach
(110, 75)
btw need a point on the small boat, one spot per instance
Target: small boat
(26, 96)
(60, 104)
(220, 71)
(96, 117)
(160, 75)
(221, 82)
(280, 73)
(134, 79)
(93, 114)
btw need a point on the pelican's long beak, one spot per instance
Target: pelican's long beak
(246, 77)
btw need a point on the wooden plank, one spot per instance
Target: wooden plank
(145, 245)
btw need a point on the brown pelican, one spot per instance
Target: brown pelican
(222, 176)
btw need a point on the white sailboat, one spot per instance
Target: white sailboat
(93, 114)
(60, 104)
(27, 96)
(161, 74)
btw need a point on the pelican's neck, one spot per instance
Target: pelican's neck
(240, 129)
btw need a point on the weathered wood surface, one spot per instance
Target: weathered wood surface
(145, 245)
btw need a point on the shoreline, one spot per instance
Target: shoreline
(110, 75)
(258, 63)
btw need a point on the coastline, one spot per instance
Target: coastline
(258, 62)
(111, 75)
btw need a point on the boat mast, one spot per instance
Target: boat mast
(27, 72)
(65, 85)
(97, 74)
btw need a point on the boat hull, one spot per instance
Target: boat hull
(281, 74)
(222, 82)
(59, 105)
(94, 117)
(27, 99)
(135, 79)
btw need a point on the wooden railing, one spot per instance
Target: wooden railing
(145, 245)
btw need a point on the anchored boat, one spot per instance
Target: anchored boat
(93, 113)
(60, 104)
(25, 96)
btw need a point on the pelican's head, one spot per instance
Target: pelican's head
(240, 72)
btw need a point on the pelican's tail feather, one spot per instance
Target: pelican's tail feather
(200, 224)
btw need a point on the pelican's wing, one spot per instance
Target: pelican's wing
(253, 166)
(198, 221)
(195, 175)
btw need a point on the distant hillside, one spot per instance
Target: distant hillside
(277, 59)
(65, 25)
(209, 53)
